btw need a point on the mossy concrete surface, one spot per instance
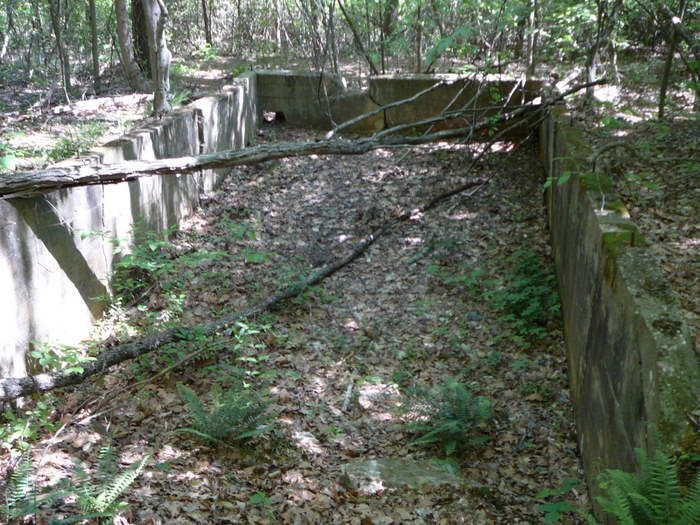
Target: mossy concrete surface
(57, 250)
(634, 374)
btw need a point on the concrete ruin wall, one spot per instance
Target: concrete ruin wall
(634, 374)
(57, 249)
(321, 101)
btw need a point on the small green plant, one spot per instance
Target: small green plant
(70, 359)
(18, 431)
(206, 52)
(557, 506)
(450, 415)
(97, 498)
(527, 297)
(180, 97)
(235, 415)
(654, 496)
(8, 157)
(76, 141)
(101, 498)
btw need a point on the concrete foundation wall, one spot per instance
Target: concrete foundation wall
(479, 96)
(320, 101)
(57, 250)
(634, 373)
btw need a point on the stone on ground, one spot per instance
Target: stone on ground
(372, 476)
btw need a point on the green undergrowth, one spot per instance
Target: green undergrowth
(654, 495)
(521, 288)
(236, 414)
(450, 416)
(87, 495)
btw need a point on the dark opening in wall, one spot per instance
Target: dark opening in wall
(273, 116)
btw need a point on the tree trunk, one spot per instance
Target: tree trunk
(418, 55)
(207, 23)
(55, 10)
(126, 47)
(358, 39)
(605, 21)
(156, 15)
(95, 49)
(531, 38)
(668, 63)
(10, 28)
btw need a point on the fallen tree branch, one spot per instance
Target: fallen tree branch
(32, 183)
(390, 105)
(13, 388)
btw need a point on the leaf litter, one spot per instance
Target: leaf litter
(336, 363)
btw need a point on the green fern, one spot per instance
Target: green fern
(652, 497)
(98, 499)
(20, 495)
(451, 416)
(101, 498)
(236, 415)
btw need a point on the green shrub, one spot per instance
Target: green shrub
(527, 296)
(451, 416)
(235, 415)
(654, 496)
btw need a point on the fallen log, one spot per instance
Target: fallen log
(13, 388)
(29, 184)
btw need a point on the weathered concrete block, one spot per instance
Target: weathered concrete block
(303, 97)
(351, 105)
(634, 374)
(376, 475)
(56, 250)
(479, 96)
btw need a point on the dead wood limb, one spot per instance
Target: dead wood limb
(395, 104)
(32, 183)
(12, 388)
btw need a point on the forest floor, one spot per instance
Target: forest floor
(337, 367)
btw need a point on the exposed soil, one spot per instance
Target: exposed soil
(338, 364)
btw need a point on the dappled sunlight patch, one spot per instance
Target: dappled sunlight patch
(307, 442)
(380, 400)
(503, 146)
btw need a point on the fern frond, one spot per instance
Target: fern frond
(195, 405)
(106, 500)
(690, 514)
(616, 504)
(238, 414)
(20, 495)
(662, 488)
(106, 463)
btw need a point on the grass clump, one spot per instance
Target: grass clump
(450, 416)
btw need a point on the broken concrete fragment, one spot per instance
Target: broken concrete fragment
(372, 476)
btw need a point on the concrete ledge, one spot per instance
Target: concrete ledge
(633, 370)
(57, 249)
